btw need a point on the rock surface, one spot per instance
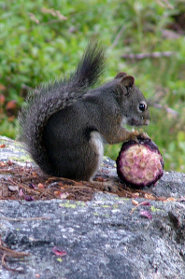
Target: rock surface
(107, 237)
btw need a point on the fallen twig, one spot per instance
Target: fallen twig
(7, 252)
(140, 56)
(24, 219)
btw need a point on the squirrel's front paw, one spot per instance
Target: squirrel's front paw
(135, 135)
(143, 135)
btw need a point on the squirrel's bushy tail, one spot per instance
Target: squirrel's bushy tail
(48, 100)
(90, 67)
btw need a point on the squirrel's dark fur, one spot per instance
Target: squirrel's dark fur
(65, 123)
(54, 97)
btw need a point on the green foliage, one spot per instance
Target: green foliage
(37, 45)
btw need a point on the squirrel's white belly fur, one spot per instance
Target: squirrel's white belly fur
(96, 142)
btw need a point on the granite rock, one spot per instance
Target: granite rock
(106, 237)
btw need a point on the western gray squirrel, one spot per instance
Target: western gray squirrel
(65, 124)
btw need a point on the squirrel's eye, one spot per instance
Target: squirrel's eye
(142, 106)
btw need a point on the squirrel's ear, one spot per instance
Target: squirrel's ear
(120, 75)
(128, 81)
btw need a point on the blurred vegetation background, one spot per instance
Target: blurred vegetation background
(43, 40)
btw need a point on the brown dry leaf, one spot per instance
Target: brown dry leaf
(11, 105)
(134, 202)
(41, 186)
(2, 87)
(170, 199)
(57, 193)
(101, 179)
(149, 196)
(11, 118)
(2, 145)
(2, 98)
(135, 195)
(34, 174)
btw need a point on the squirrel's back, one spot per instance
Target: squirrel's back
(45, 102)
